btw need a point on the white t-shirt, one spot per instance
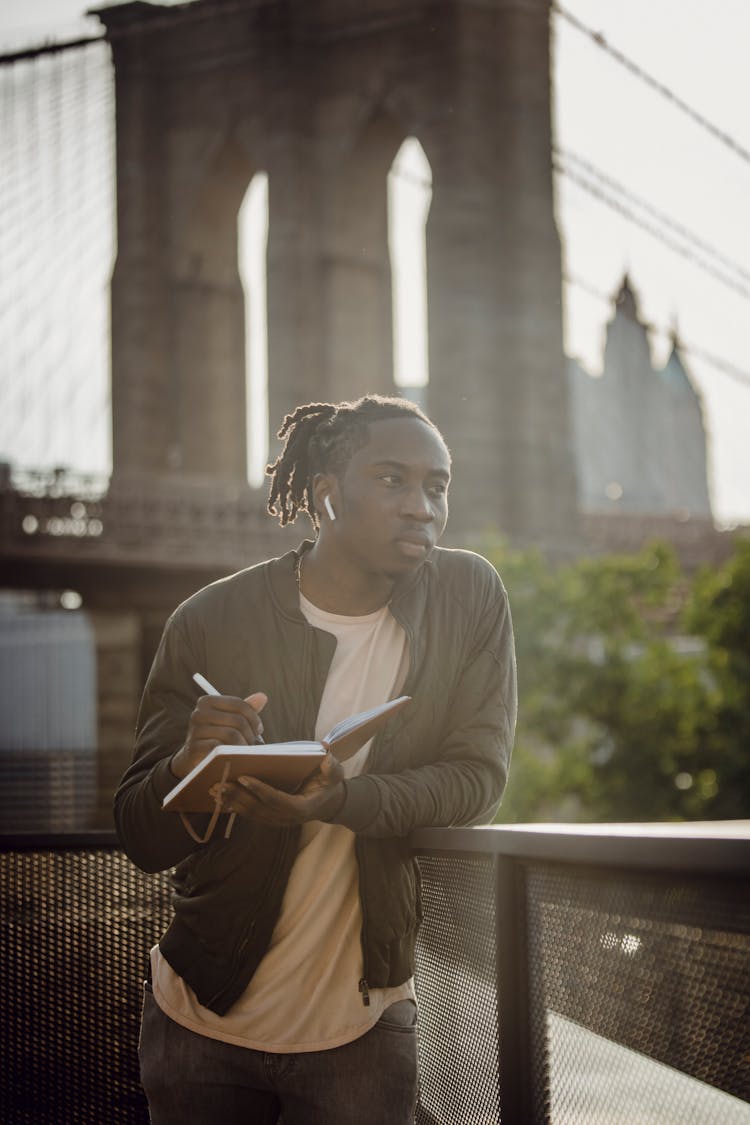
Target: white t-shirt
(304, 995)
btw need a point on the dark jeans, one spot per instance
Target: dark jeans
(192, 1080)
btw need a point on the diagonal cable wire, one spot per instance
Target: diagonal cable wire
(627, 212)
(684, 232)
(600, 41)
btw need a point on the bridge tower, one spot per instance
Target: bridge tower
(320, 96)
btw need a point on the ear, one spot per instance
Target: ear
(325, 486)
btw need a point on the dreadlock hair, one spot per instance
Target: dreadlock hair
(321, 437)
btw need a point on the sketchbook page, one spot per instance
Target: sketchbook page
(285, 766)
(354, 722)
(351, 734)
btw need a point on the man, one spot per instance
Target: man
(284, 981)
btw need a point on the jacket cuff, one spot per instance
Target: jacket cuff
(360, 806)
(162, 779)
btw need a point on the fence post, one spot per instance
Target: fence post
(514, 1023)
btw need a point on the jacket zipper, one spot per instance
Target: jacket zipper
(248, 932)
(364, 988)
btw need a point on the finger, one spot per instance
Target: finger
(220, 735)
(257, 700)
(221, 726)
(249, 706)
(230, 705)
(242, 800)
(331, 770)
(268, 794)
(272, 800)
(222, 720)
(226, 711)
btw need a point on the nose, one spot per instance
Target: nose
(418, 505)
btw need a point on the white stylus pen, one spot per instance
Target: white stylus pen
(209, 689)
(201, 681)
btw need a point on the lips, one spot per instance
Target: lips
(415, 543)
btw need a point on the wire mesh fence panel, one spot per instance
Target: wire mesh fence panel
(75, 929)
(638, 1006)
(456, 986)
(640, 996)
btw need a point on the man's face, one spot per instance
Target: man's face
(392, 499)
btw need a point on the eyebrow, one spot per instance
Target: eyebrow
(443, 473)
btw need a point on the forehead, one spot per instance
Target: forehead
(406, 440)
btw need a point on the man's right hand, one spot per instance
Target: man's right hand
(219, 720)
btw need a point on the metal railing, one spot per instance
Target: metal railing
(612, 963)
(567, 974)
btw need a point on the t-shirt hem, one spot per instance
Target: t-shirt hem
(208, 1032)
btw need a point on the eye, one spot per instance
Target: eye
(392, 479)
(438, 490)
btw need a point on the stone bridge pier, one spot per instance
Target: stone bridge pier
(320, 96)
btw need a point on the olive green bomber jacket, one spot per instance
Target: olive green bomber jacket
(441, 761)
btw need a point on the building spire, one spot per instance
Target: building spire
(625, 301)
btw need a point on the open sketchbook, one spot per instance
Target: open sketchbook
(285, 765)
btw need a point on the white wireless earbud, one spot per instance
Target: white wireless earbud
(329, 507)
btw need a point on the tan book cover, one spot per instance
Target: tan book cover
(285, 765)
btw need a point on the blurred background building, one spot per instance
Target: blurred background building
(640, 442)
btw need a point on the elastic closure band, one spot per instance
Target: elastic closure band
(218, 806)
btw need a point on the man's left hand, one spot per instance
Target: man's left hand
(319, 799)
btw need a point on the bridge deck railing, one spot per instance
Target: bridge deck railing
(572, 975)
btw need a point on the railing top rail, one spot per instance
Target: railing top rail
(719, 846)
(56, 841)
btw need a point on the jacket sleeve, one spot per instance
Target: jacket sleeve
(465, 782)
(153, 839)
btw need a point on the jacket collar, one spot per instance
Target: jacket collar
(407, 603)
(282, 581)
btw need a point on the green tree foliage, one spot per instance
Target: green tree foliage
(719, 610)
(634, 686)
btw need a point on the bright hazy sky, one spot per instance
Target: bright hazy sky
(609, 118)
